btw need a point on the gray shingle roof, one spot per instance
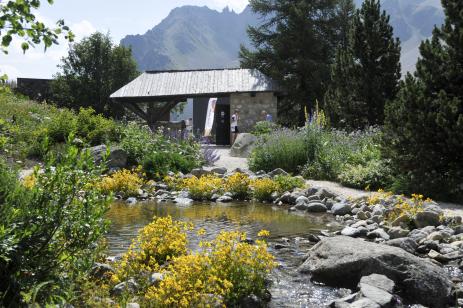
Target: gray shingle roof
(196, 82)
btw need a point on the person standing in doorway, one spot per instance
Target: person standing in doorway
(234, 126)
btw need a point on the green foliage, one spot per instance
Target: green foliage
(29, 129)
(295, 46)
(366, 72)
(375, 174)
(264, 128)
(17, 19)
(94, 128)
(424, 125)
(92, 71)
(288, 183)
(157, 153)
(49, 230)
(285, 149)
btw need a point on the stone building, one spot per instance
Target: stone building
(154, 94)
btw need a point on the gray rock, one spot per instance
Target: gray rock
(277, 171)
(417, 235)
(290, 198)
(364, 303)
(117, 157)
(438, 236)
(379, 233)
(311, 191)
(362, 215)
(316, 207)
(199, 172)
(378, 210)
(219, 170)
(133, 305)
(427, 218)
(354, 232)
(302, 200)
(100, 270)
(325, 193)
(215, 197)
(401, 221)
(397, 232)
(343, 302)
(405, 243)
(156, 278)
(313, 198)
(378, 281)
(129, 286)
(341, 262)
(224, 199)
(243, 145)
(313, 238)
(341, 209)
(183, 201)
(377, 295)
(131, 201)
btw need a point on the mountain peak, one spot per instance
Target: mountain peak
(192, 37)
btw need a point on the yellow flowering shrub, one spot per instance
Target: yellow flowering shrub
(375, 198)
(156, 243)
(238, 185)
(30, 181)
(126, 182)
(174, 183)
(409, 208)
(204, 187)
(263, 189)
(226, 270)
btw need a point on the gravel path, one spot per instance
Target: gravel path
(231, 163)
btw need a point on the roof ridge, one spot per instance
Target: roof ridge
(194, 70)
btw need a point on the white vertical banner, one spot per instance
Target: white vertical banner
(210, 116)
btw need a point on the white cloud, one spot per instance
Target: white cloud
(36, 63)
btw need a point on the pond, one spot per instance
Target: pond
(288, 241)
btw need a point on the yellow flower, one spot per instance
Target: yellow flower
(263, 233)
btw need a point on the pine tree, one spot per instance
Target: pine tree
(424, 125)
(295, 45)
(366, 73)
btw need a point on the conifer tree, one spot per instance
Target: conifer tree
(424, 125)
(295, 45)
(366, 73)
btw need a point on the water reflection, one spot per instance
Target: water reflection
(288, 230)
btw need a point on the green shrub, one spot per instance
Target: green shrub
(61, 125)
(157, 153)
(264, 128)
(94, 128)
(49, 230)
(375, 174)
(288, 183)
(285, 149)
(158, 165)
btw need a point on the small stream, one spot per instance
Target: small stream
(288, 241)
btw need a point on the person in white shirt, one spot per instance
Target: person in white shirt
(234, 126)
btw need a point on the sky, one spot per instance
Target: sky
(118, 17)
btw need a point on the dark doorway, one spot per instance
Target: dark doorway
(222, 128)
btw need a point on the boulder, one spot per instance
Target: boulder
(377, 295)
(117, 157)
(224, 199)
(199, 172)
(397, 232)
(101, 270)
(243, 145)
(219, 170)
(129, 286)
(427, 218)
(131, 201)
(379, 233)
(277, 171)
(341, 209)
(405, 243)
(341, 262)
(364, 303)
(354, 232)
(316, 207)
(378, 281)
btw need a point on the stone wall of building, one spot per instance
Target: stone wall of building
(250, 107)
